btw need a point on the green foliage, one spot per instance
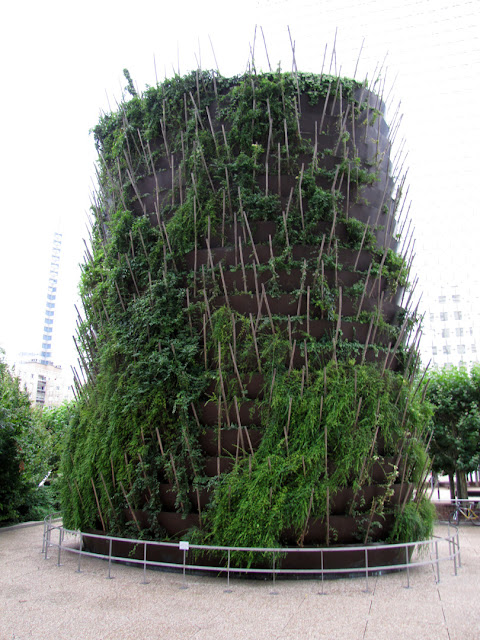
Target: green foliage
(414, 521)
(313, 440)
(155, 333)
(30, 445)
(455, 395)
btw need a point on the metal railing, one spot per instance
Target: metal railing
(431, 552)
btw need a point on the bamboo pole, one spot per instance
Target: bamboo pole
(325, 108)
(219, 433)
(222, 385)
(305, 528)
(268, 309)
(271, 387)
(360, 304)
(205, 340)
(252, 326)
(306, 360)
(160, 442)
(300, 198)
(286, 427)
(78, 491)
(113, 472)
(224, 285)
(129, 506)
(292, 356)
(244, 275)
(174, 469)
(279, 171)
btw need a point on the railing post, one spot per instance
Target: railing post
(407, 560)
(184, 546)
(47, 540)
(184, 579)
(145, 563)
(438, 563)
(228, 590)
(80, 553)
(366, 570)
(273, 592)
(452, 545)
(458, 547)
(321, 567)
(109, 577)
(60, 538)
(44, 533)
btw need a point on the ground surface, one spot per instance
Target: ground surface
(41, 601)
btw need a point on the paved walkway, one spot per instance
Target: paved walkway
(41, 601)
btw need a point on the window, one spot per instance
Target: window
(459, 332)
(445, 333)
(457, 315)
(48, 320)
(446, 349)
(434, 351)
(432, 317)
(460, 348)
(456, 297)
(470, 331)
(442, 299)
(49, 313)
(443, 316)
(50, 305)
(474, 348)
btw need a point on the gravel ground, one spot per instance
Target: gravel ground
(42, 601)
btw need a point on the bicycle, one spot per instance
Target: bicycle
(465, 510)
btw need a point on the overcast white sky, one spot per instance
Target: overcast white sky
(62, 63)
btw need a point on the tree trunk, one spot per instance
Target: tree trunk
(451, 482)
(462, 491)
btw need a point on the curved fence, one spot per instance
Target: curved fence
(408, 556)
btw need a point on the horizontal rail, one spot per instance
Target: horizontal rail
(428, 553)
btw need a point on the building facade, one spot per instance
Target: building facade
(452, 326)
(46, 384)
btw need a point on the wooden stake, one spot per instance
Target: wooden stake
(271, 387)
(292, 356)
(252, 326)
(300, 199)
(285, 428)
(129, 506)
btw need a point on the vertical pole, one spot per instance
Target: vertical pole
(438, 563)
(144, 563)
(228, 590)
(273, 592)
(184, 584)
(109, 577)
(44, 534)
(47, 540)
(408, 567)
(458, 547)
(321, 560)
(80, 553)
(452, 546)
(366, 570)
(60, 538)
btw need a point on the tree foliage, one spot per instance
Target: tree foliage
(158, 328)
(30, 444)
(455, 395)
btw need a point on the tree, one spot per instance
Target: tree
(31, 441)
(16, 418)
(455, 395)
